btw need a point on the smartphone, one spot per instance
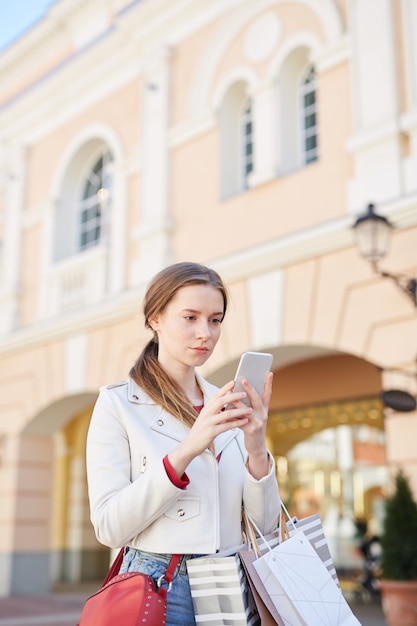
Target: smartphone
(254, 366)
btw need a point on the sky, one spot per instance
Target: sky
(17, 16)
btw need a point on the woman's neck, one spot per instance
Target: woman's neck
(193, 392)
(187, 381)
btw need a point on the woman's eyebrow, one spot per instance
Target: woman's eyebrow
(196, 311)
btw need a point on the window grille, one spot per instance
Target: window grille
(95, 202)
(309, 128)
(246, 143)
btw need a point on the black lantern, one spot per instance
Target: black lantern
(373, 235)
(399, 400)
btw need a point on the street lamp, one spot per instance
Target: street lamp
(373, 235)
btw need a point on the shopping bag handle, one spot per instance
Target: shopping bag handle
(250, 533)
(284, 533)
(253, 532)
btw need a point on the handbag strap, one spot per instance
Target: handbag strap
(172, 566)
(114, 569)
(167, 576)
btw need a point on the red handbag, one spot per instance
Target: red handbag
(130, 599)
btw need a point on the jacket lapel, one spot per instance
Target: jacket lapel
(166, 424)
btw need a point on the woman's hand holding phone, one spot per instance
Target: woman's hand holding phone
(254, 377)
(212, 421)
(255, 429)
(230, 408)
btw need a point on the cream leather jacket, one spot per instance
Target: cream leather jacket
(134, 503)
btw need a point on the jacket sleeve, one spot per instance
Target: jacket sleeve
(261, 498)
(121, 507)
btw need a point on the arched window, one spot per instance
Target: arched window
(94, 203)
(82, 266)
(246, 138)
(83, 207)
(297, 102)
(236, 139)
(308, 110)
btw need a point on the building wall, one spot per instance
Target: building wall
(148, 80)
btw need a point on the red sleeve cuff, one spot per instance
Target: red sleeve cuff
(181, 483)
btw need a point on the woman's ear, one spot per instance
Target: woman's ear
(154, 322)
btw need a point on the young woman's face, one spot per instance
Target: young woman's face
(189, 327)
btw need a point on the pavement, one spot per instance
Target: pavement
(63, 608)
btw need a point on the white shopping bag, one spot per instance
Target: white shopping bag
(220, 592)
(301, 587)
(313, 530)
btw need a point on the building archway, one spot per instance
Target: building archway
(316, 392)
(52, 500)
(326, 431)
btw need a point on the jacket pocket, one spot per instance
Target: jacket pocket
(183, 509)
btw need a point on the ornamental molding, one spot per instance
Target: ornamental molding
(47, 27)
(265, 258)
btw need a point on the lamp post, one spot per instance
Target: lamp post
(373, 235)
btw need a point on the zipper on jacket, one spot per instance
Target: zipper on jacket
(216, 537)
(143, 465)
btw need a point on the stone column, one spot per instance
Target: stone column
(376, 144)
(265, 135)
(15, 167)
(26, 515)
(154, 230)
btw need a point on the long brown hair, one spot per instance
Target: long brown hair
(147, 371)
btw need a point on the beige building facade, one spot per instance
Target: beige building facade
(244, 134)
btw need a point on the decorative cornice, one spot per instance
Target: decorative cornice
(46, 27)
(286, 250)
(309, 243)
(368, 138)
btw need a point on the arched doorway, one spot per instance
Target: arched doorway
(326, 430)
(52, 466)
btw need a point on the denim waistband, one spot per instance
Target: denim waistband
(165, 558)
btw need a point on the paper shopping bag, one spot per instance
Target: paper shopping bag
(313, 530)
(254, 547)
(251, 609)
(220, 592)
(267, 612)
(301, 587)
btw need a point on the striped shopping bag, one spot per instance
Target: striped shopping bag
(259, 545)
(313, 530)
(220, 592)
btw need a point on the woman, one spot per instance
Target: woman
(168, 461)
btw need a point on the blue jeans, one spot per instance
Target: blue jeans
(180, 610)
